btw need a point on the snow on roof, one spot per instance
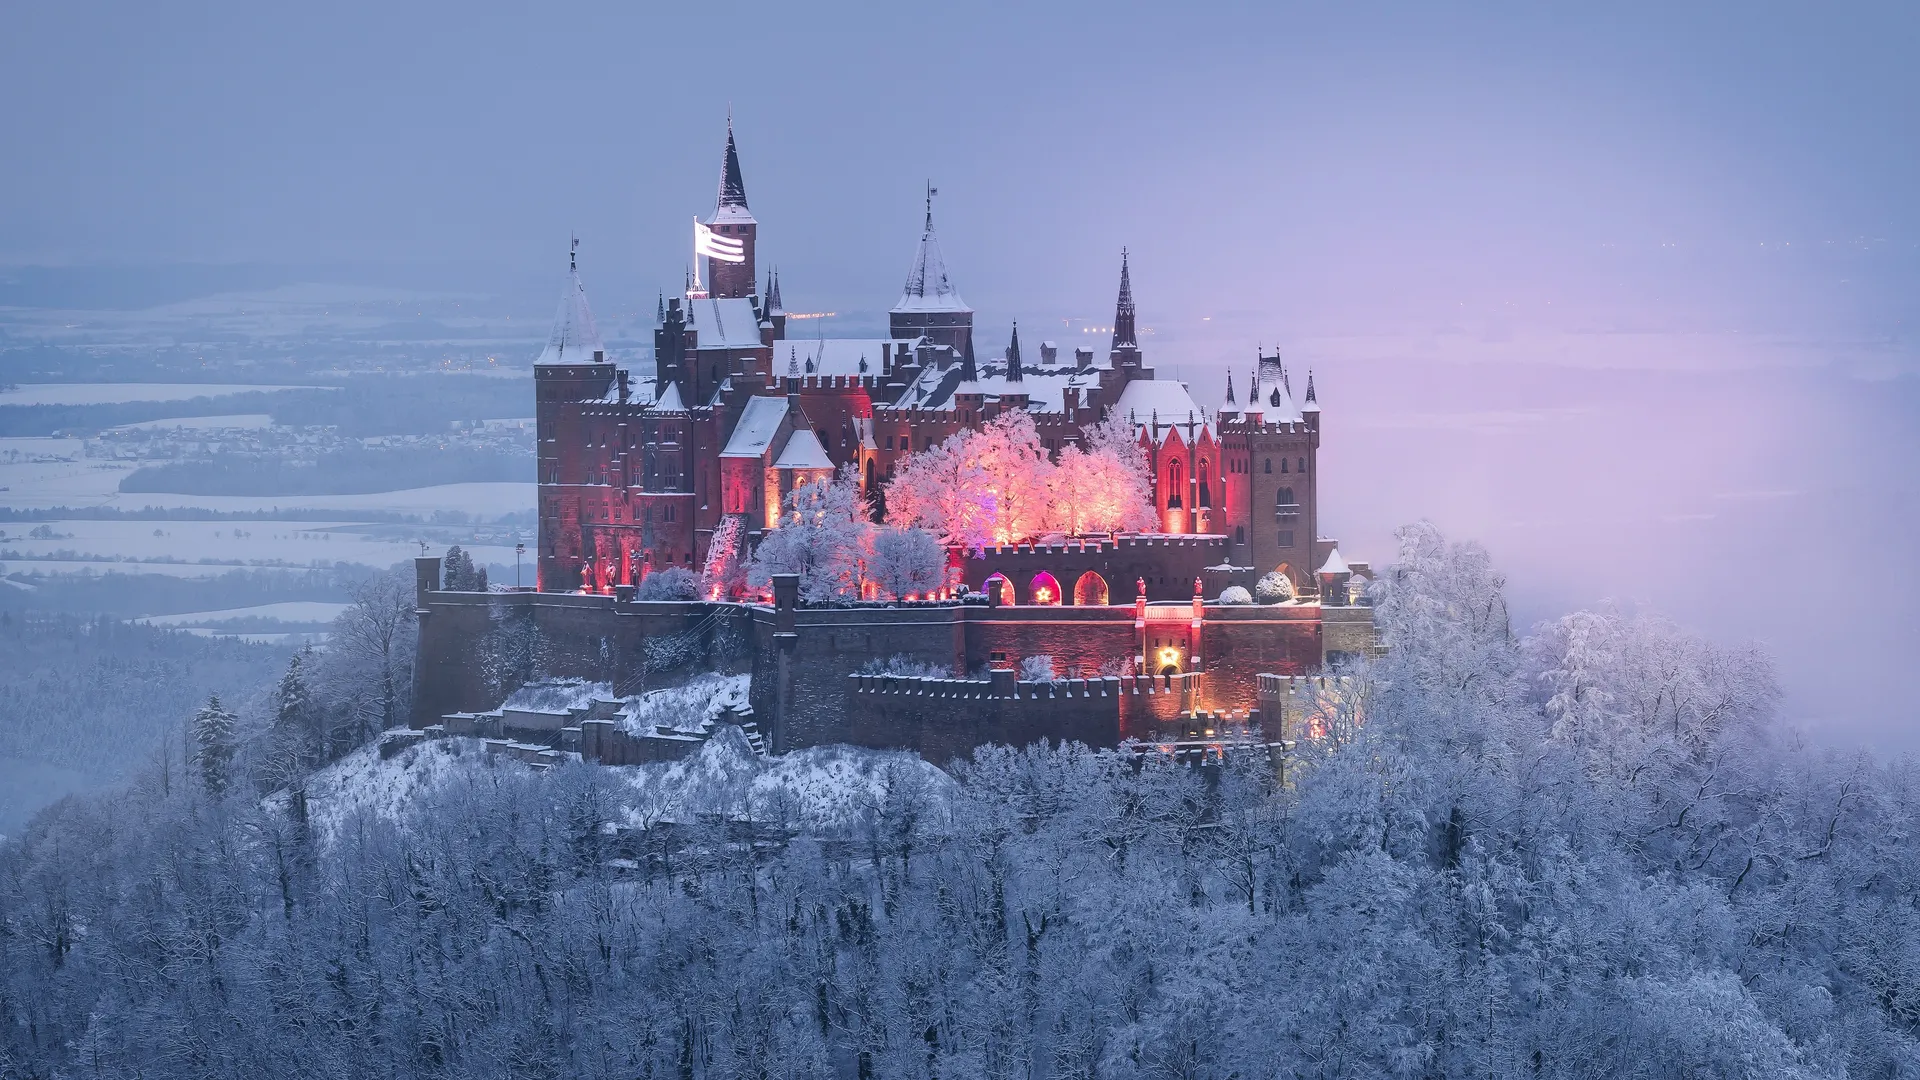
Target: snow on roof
(803, 451)
(759, 423)
(1335, 564)
(928, 288)
(669, 401)
(1144, 398)
(732, 215)
(841, 356)
(575, 338)
(725, 323)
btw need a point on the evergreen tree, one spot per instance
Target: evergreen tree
(294, 721)
(213, 739)
(457, 569)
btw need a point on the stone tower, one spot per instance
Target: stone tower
(929, 304)
(732, 220)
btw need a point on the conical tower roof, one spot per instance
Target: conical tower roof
(731, 205)
(575, 338)
(1124, 336)
(928, 287)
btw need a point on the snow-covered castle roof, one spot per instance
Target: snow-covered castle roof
(575, 339)
(928, 287)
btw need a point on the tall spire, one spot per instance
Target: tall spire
(968, 372)
(733, 187)
(1313, 402)
(1123, 333)
(1013, 355)
(575, 338)
(928, 288)
(773, 294)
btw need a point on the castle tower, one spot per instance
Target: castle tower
(732, 221)
(1126, 341)
(929, 304)
(572, 368)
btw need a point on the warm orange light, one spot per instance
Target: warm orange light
(1043, 595)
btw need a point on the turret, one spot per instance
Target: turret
(929, 305)
(1126, 341)
(732, 221)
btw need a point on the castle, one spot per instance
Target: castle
(636, 475)
(639, 474)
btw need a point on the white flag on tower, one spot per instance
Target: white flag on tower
(713, 246)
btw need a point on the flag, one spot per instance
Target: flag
(724, 248)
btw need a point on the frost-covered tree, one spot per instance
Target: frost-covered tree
(671, 583)
(823, 537)
(215, 741)
(906, 562)
(369, 658)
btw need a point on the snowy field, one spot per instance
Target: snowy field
(121, 393)
(204, 548)
(227, 422)
(291, 611)
(479, 499)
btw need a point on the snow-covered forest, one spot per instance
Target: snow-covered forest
(1585, 850)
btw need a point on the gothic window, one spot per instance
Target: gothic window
(1206, 494)
(1303, 465)
(1239, 534)
(1283, 465)
(1174, 478)
(1269, 464)
(1284, 499)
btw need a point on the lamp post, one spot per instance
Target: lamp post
(518, 550)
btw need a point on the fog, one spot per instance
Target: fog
(1629, 295)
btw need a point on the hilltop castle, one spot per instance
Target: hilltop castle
(639, 474)
(636, 475)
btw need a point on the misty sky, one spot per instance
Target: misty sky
(1327, 169)
(1631, 292)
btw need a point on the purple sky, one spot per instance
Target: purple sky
(1631, 293)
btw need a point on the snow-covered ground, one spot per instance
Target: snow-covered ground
(120, 393)
(293, 611)
(236, 543)
(56, 567)
(490, 499)
(229, 421)
(825, 788)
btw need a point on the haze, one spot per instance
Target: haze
(1629, 295)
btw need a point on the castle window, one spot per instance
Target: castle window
(667, 513)
(1283, 465)
(1174, 478)
(1269, 464)
(1303, 465)
(889, 442)
(1283, 499)
(1239, 534)
(1206, 494)
(1286, 538)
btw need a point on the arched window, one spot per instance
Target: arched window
(1174, 482)
(1283, 465)
(1303, 465)
(1283, 499)
(1205, 496)
(1269, 464)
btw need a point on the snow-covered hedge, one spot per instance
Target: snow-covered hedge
(1235, 594)
(1273, 588)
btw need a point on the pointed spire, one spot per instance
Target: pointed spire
(575, 338)
(968, 372)
(793, 361)
(1013, 355)
(1313, 402)
(928, 288)
(660, 308)
(733, 188)
(773, 294)
(1123, 332)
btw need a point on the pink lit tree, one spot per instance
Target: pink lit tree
(996, 485)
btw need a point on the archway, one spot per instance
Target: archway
(1090, 589)
(1045, 588)
(998, 580)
